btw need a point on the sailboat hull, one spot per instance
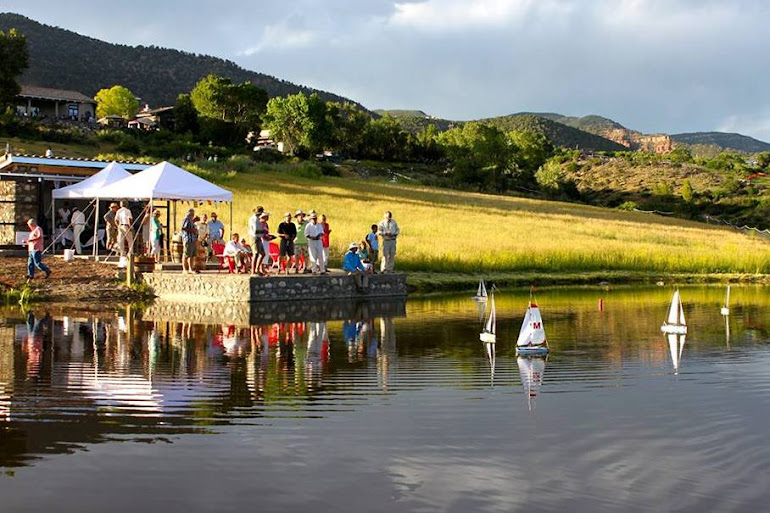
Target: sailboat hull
(531, 350)
(677, 329)
(725, 311)
(480, 299)
(489, 338)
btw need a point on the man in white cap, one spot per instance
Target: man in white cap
(353, 266)
(314, 231)
(300, 242)
(389, 232)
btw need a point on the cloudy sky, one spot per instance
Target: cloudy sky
(652, 65)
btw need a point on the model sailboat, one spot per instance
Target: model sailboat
(726, 308)
(481, 294)
(489, 333)
(675, 322)
(532, 339)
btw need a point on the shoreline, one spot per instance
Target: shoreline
(88, 283)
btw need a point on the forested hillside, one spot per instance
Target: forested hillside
(558, 133)
(722, 140)
(62, 59)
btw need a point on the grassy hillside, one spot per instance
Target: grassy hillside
(66, 60)
(558, 133)
(592, 123)
(452, 231)
(722, 140)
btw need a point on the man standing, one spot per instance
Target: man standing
(189, 242)
(256, 231)
(300, 242)
(287, 231)
(35, 247)
(78, 225)
(111, 226)
(216, 230)
(389, 232)
(313, 232)
(261, 234)
(374, 246)
(325, 240)
(125, 220)
(353, 266)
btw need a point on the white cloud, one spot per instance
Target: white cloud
(281, 37)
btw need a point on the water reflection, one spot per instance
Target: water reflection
(400, 405)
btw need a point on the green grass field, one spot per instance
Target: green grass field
(450, 231)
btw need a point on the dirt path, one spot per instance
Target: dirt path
(79, 280)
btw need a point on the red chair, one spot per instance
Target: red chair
(219, 250)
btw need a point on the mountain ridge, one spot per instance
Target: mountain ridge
(156, 75)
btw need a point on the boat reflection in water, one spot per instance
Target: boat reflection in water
(531, 370)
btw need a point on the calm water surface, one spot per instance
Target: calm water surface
(123, 411)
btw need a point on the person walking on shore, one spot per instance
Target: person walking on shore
(35, 247)
(189, 242)
(125, 220)
(314, 231)
(389, 231)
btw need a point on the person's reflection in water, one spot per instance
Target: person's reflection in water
(349, 334)
(258, 361)
(372, 343)
(33, 346)
(314, 358)
(387, 348)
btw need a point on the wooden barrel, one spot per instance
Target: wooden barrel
(176, 251)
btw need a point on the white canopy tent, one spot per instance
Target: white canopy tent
(90, 188)
(165, 181)
(168, 182)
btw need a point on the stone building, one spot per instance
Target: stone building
(26, 184)
(46, 103)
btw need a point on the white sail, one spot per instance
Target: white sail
(481, 293)
(532, 332)
(531, 370)
(673, 310)
(489, 334)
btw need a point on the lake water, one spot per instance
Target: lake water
(119, 411)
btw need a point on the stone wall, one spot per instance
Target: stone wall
(262, 313)
(18, 202)
(239, 288)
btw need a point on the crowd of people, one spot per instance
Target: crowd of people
(303, 241)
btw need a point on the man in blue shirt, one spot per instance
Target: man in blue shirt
(216, 229)
(353, 266)
(189, 243)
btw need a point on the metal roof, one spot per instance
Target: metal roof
(67, 162)
(46, 93)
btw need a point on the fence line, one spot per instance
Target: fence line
(743, 228)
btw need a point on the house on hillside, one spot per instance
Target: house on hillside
(153, 119)
(265, 141)
(56, 104)
(26, 184)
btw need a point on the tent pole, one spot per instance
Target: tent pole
(53, 222)
(168, 231)
(96, 231)
(231, 218)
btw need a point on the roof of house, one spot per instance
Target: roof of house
(45, 93)
(152, 112)
(8, 159)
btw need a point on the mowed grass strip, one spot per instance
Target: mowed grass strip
(455, 231)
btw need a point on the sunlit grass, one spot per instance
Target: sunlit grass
(454, 231)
